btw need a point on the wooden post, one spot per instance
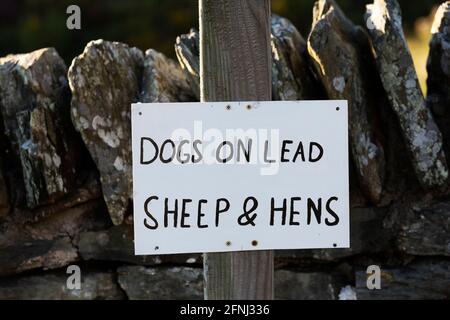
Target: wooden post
(235, 65)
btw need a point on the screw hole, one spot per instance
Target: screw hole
(228, 107)
(337, 108)
(156, 248)
(228, 243)
(254, 243)
(249, 107)
(140, 113)
(334, 245)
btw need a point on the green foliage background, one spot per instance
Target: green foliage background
(26, 25)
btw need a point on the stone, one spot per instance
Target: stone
(34, 105)
(421, 230)
(117, 244)
(292, 78)
(428, 280)
(290, 285)
(89, 190)
(420, 132)
(188, 53)
(336, 48)
(90, 216)
(49, 254)
(4, 195)
(105, 80)
(163, 80)
(52, 286)
(438, 67)
(163, 283)
(400, 177)
(81, 207)
(49, 242)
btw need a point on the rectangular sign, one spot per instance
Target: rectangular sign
(232, 176)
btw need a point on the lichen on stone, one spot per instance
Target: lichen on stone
(35, 111)
(421, 134)
(105, 80)
(336, 54)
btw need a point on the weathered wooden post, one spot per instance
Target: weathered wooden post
(235, 65)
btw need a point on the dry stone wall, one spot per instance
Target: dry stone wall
(65, 162)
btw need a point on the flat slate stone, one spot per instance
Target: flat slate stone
(53, 286)
(105, 79)
(335, 46)
(164, 80)
(48, 243)
(291, 285)
(164, 283)
(421, 230)
(421, 134)
(428, 279)
(117, 244)
(34, 104)
(438, 67)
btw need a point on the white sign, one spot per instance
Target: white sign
(232, 176)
